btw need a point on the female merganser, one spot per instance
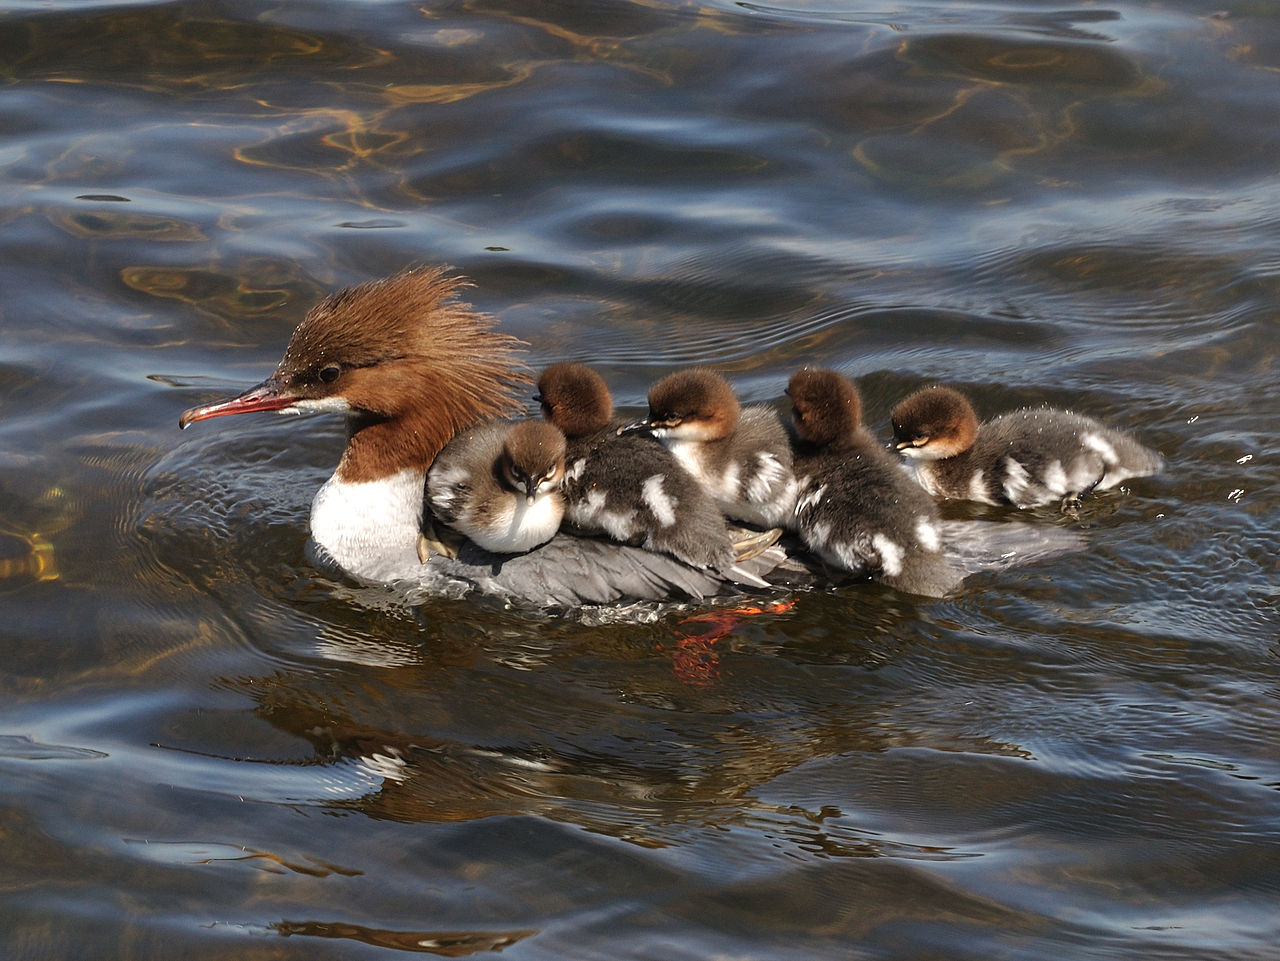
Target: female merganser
(741, 455)
(856, 508)
(1026, 458)
(410, 366)
(499, 484)
(630, 489)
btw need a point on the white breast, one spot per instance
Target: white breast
(516, 526)
(370, 529)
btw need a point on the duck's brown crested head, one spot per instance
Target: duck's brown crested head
(402, 353)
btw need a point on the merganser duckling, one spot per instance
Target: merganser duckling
(410, 366)
(856, 508)
(630, 489)
(499, 484)
(740, 455)
(1027, 458)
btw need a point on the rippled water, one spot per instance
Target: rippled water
(208, 749)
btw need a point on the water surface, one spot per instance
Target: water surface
(210, 749)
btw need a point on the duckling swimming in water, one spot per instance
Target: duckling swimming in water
(500, 484)
(630, 489)
(740, 455)
(1027, 458)
(856, 507)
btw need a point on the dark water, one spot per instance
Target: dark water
(207, 749)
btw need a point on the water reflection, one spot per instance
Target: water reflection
(633, 754)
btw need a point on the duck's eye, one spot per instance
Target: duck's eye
(330, 373)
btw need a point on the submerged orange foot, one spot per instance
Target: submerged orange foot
(694, 657)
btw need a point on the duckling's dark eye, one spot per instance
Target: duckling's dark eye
(330, 373)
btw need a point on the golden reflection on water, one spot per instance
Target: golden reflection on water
(26, 557)
(110, 225)
(251, 289)
(1013, 98)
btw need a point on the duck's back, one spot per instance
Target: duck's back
(749, 473)
(857, 509)
(632, 490)
(1038, 456)
(569, 572)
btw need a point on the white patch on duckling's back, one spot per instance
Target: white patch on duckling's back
(769, 475)
(927, 535)
(657, 500)
(978, 488)
(592, 513)
(1055, 479)
(687, 454)
(891, 554)
(1017, 483)
(726, 485)
(810, 499)
(1100, 444)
